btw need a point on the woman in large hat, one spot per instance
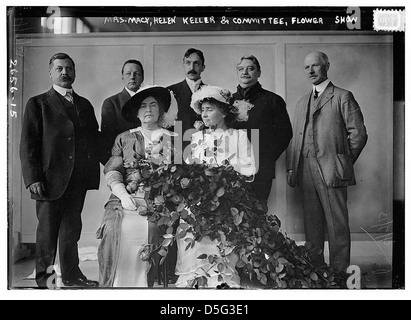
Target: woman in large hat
(216, 144)
(126, 234)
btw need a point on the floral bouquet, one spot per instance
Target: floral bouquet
(217, 202)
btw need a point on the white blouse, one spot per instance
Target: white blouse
(214, 147)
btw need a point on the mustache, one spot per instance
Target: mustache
(192, 72)
(66, 78)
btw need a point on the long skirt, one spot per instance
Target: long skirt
(123, 235)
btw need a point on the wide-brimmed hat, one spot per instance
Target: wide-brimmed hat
(208, 92)
(238, 107)
(131, 107)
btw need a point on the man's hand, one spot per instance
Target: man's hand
(37, 188)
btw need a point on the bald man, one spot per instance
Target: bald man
(329, 135)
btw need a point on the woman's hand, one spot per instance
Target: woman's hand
(127, 202)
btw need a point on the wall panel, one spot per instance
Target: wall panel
(359, 62)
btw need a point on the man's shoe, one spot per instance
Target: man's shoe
(80, 282)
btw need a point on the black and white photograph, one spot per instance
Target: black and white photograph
(205, 151)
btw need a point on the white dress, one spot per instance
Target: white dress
(234, 145)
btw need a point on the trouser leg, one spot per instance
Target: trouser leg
(70, 231)
(49, 218)
(332, 204)
(339, 237)
(313, 210)
(261, 187)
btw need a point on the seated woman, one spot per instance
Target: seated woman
(216, 146)
(126, 236)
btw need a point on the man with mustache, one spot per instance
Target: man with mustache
(58, 151)
(193, 65)
(112, 123)
(269, 116)
(329, 137)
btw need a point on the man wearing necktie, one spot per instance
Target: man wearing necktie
(112, 122)
(59, 157)
(193, 65)
(269, 116)
(329, 135)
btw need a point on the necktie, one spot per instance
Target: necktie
(315, 94)
(69, 97)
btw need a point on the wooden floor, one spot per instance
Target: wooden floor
(375, 271)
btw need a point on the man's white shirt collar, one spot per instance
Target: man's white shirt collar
(193, 84)
(131, 93)
(321, 87)
(62, 90)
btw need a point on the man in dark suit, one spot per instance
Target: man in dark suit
(59, 158)
(193, 65)
(112, 123)
(329, 137)
(269, 116)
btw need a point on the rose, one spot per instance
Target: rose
(145, 253)
(199, 125)
(177, 199)
(159, 200)
(185, 183)
(142, 211)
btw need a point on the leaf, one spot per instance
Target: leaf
(220, 192)
(234, 211)
(238, 220)
(188, 246)
(221, 267)
(240, 264)
(184, 214)
(170, 231)
(223, 238)
(184, 226)
(189, 240)
(314, 276)
(162, 252)
(180, 207)
(181, 235)
(162, 260)
(167, 235)
(165, 187)
(220, 278)
(263, 279)
(202, 257)
(209, 173)
(211, 259)
(283, 260)
(279, 268)
(173, 169)
(166, 242)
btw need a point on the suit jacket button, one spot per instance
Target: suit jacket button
(70, 157)
(69, 139)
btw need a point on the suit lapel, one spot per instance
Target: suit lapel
(304, 105)
(186, 89)
(325, 97)
(55, 102)
(123, 98)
